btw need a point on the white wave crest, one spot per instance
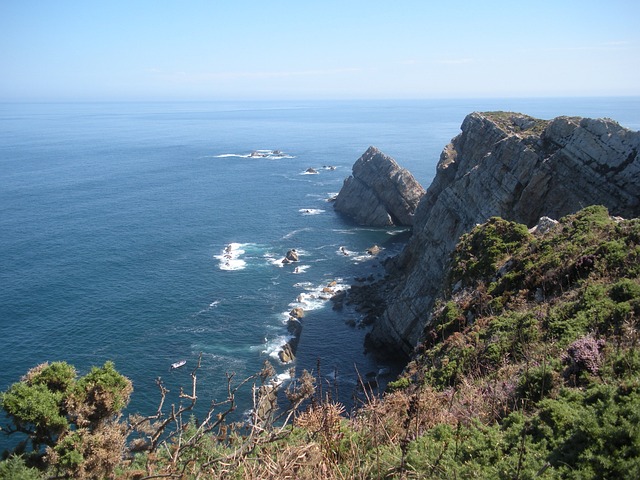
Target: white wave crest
(261, 153)
(361, 258)
(331, 197)
(295, 232)
(315, 297)
(345, 232)
(277, 262)
(227, 155)
(273, 347)
(233, 265)
(283, 377)
(311, 211)
(300, 269)
(230, 259)
(308, 302)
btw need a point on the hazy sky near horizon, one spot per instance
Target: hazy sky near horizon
(283, 49)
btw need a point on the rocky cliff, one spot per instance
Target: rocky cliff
(516, 167)
(379, 193)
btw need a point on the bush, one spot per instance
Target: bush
(76, 419)
(625, 290)
(399, 384)
(538, 383)
(479, 252)
(15, 468)
(600, 438)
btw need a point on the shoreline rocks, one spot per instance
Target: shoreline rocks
(287, 352)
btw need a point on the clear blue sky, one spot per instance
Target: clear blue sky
(303, 49)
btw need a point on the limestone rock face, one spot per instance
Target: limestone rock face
(513, 166)
(379, 192)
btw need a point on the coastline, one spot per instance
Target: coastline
(114, 212)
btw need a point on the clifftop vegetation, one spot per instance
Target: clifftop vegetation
(517, 123)
(529, 368)
(535, 351)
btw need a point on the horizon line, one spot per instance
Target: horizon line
(315, 99)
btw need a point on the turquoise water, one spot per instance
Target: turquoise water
(114, 218)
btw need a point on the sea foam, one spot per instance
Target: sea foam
(311, 211)
(261, 153)
(229, 258)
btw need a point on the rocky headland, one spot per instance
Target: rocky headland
(501, 164)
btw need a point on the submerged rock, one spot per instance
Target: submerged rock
(294, 326)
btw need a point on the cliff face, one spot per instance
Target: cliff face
(516, 167)
(379, 193)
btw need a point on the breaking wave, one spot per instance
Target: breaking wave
(230, 259)
(263, 153)
(311, 211)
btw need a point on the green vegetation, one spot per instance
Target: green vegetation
(525, 126)
(72, 424)
(530, 368)
(537, 342)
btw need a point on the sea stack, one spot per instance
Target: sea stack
(379, 193)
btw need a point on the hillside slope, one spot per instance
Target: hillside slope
(533, 354)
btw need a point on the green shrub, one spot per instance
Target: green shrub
(479, 252)
(507, 336)
(537, 383)
(15, 468)
(625, 290)
(399, 384)
(592, 433)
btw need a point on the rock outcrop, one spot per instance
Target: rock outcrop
(379, 192)
(516, 167)
(287, 352)
(291, 256)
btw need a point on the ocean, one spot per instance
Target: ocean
(115, 219)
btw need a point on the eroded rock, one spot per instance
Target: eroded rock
(379, 192)
(513, 166)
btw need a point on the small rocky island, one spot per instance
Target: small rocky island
(379, 193)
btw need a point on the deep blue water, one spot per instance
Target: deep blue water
(114, 218)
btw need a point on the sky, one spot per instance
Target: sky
(112, 50)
